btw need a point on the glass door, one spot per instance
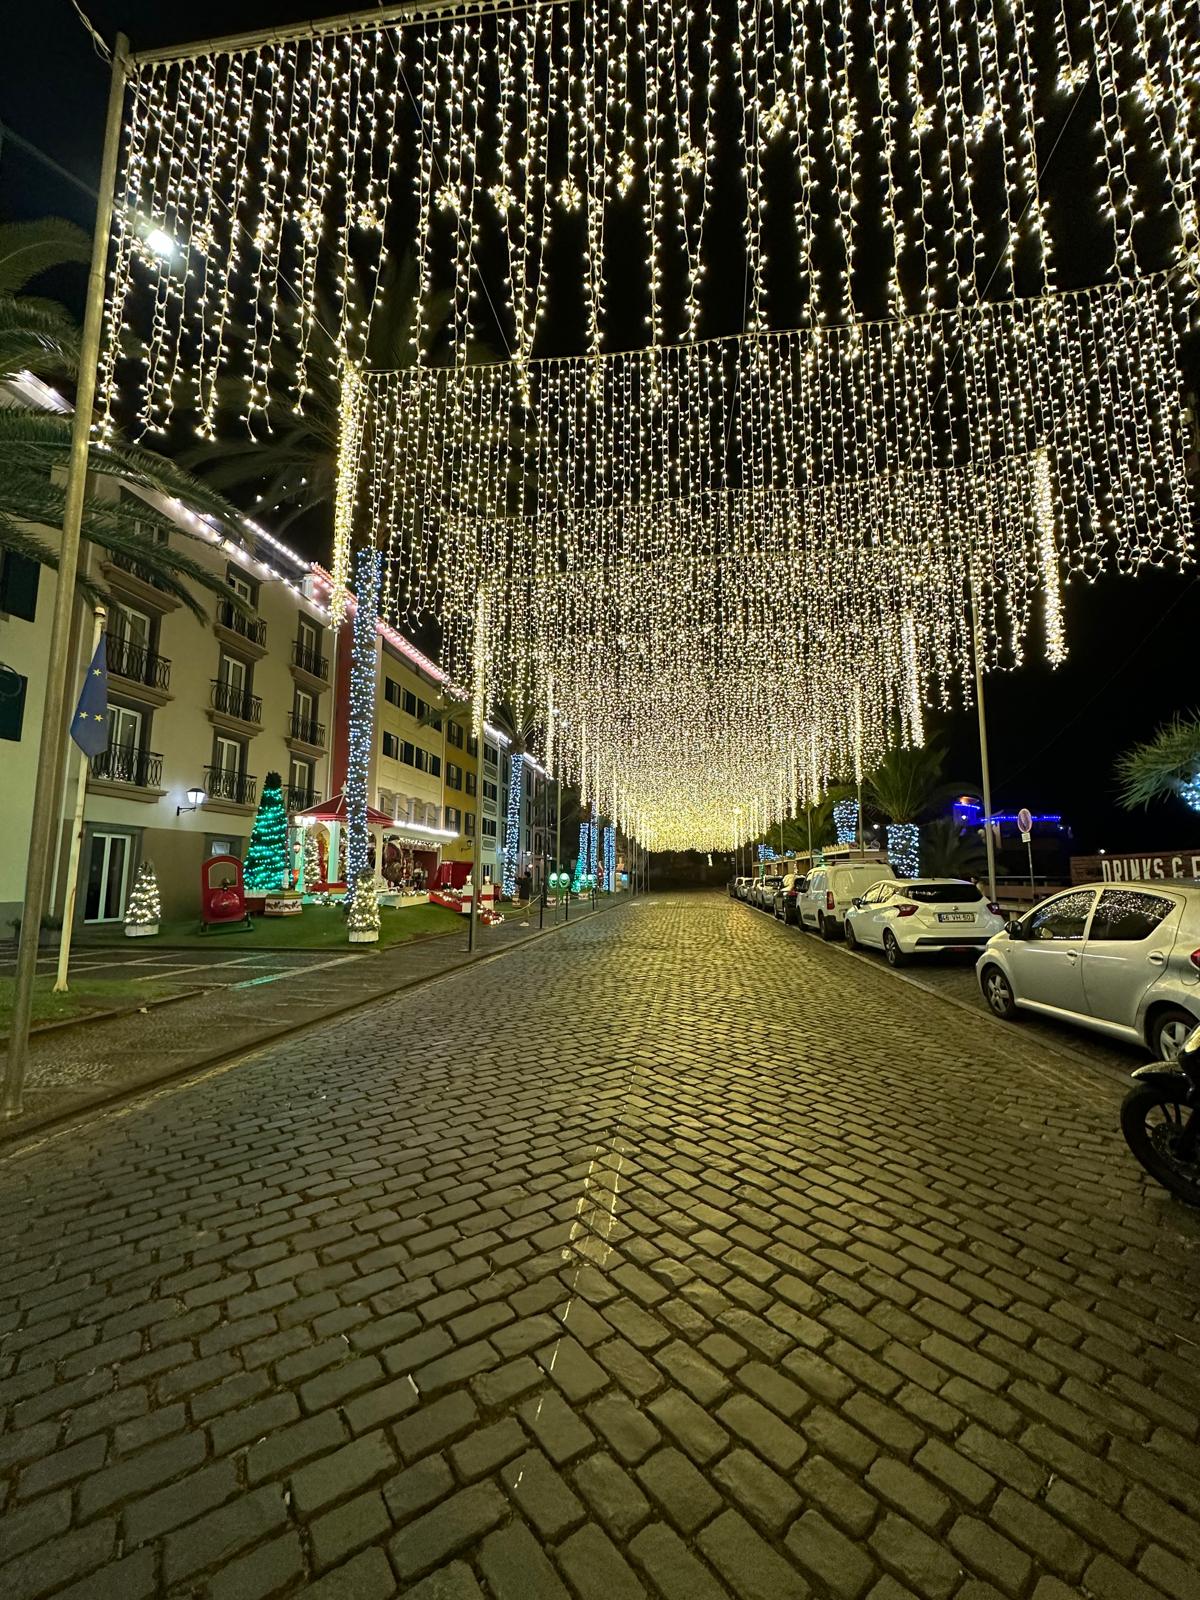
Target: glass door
(108, 873)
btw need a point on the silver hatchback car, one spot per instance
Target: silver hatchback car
(1123, 959)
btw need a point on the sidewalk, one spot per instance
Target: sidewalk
(91, 1064)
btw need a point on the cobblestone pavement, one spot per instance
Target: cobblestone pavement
(671, 1256)
(241, 1006)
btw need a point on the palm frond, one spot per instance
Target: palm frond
(28, 249)
(1160, 767)
(38, 335)
(948, 851)
(904, 783)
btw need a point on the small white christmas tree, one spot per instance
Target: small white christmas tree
(312, 861)
(362, 919)
(144, 911)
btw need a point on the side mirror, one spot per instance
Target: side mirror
(857, 901)
(1014, 929)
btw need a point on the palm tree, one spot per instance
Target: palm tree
(902, 787)
(38, 337)
(948, 851)
(1168, 764)
(288, 466)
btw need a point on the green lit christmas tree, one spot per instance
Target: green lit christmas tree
(266, 866)
(144, 911)
(362, 920)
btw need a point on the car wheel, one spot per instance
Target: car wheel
(851, 941)
(997, 991)
(828, 929)
(1169, 1032)
(891, 949)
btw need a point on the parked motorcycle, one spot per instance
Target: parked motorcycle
(1160, 1118)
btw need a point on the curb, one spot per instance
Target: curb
(13, 1132)
(89, 1017)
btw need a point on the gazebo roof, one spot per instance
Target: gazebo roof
(334, 810)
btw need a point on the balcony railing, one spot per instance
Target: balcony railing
(235, 702)
(222, 784)
(141, 769)
(307, 729)
(126, 659)
(309, 660)
(297, 798)
(135, 569)
(252, 629)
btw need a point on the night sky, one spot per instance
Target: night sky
(1054, 735)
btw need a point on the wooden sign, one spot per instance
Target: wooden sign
(1124, 868)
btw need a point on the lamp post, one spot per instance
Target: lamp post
(68, 918)
(44, 819)
(976, 651)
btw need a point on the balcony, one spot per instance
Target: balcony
(296, 798)
(137, 582)
(129, 771)
(309, 665)
(225, 790)
(233, 707)
(138, 665)
(306, 732)
(247, 635)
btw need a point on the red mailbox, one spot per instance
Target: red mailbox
(222, 894)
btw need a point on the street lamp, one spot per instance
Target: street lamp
(196, 798)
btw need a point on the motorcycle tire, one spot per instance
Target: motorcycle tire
(1150, 1144)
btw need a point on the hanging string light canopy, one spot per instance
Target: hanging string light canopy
(743, 549)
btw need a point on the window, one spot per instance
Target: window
(410, 702)
(124, 728)
(241, 584)
(18, 585)
(490, 754)
(306, 636)
(305, 706)
(234, 674)
(300, 775)
(472, 783)
(943, 894)
(12, 703)
(454, 819)
(454, 776)
(391, 747)
(454, 735)
(1129, 915)
(472, 745)
(108, 872)
(489, 827)
(391, 691)
(1063, 918)
(228, 756)
(469, 829)
(489, 790)
(435, 766)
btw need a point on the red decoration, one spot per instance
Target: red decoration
(222, 893)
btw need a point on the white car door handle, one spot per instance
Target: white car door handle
(1156, 958)
(1072, 956)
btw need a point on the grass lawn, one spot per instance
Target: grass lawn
(85, 995)
(316, 928)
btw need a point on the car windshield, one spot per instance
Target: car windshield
(942, 894)
(772, 883)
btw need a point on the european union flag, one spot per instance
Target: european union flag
(89, 726)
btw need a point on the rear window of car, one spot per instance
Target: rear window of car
(772, 882)
(942, 894)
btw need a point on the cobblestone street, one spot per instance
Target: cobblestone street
(676, 1255)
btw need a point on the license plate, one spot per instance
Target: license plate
(955, 916)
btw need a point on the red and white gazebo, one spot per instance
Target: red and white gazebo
(332, 813)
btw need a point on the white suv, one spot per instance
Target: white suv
(1123, 959)
(833, 889)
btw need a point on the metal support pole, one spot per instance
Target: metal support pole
(45, 819)
(976, 651)
(479, 712)
(68, 918)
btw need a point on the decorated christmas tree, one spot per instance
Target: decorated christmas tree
(266, 866)
(314, 871)
(144, 911)
(362, 920)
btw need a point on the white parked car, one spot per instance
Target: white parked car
(922, 916)
(763, 895)
(1124, 960)
(832, 890)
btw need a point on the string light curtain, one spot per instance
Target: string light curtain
(744, 559)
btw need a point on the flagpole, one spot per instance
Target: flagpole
(46, 785)
(68, 917)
